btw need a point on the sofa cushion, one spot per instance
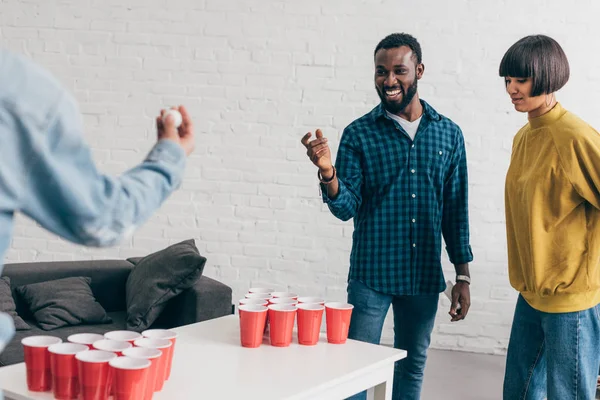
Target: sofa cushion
(14, 351)
(61, 302)
(108, 279)
(159, 277)
(7, 304)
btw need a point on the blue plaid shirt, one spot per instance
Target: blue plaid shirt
(403, 195)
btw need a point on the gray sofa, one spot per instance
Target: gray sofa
(207, 299)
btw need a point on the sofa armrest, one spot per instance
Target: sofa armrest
(207, 299)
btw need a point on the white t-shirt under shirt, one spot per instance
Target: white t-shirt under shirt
(409, 127)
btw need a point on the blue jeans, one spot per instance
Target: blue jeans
(553, 355)
(414, 317)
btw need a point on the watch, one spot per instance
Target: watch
(463, 278)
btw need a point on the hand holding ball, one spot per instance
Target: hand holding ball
(179, 128)
(177, 118)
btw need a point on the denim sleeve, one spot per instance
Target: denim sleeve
(48, 170)
(455, 218)
(350, 178)
(67, 195)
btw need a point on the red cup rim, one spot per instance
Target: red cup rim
(261, 290)
(252, 308)
(282, 307)
(95, 356)
(160, 334)
(339, 306)
(67, 349)
(311, 299)
(142, 352)
(123, 336)
(283, 300)
(284, 294)
(313, 304)
(262, 296)
(153, 343)
(80, 338)
(310, 306)
(246, 301)
(111, 345)
(129, 363)
(40, 341)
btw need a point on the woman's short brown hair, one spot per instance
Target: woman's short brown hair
(539, 57)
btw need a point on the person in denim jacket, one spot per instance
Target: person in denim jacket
(47, 171)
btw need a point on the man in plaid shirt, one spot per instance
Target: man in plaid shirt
(401, 174)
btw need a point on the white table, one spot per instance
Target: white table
(209, 363)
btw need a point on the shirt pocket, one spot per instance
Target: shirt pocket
(437, 160)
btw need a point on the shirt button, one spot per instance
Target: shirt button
(412, 146)
(412, 171)
(440, 153)
(414, 195)
(414, 245)
(414, 220)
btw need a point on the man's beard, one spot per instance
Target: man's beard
(407, 97)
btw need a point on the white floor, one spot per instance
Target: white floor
(453, 375)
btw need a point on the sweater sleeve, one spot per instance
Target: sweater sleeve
(580, 155)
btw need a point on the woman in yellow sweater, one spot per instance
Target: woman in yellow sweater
(552, 201)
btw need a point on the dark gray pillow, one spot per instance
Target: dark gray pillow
(159, 277)
(61, 302)
(7, 304)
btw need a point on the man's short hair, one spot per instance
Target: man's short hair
(538, 57)
(401, 39)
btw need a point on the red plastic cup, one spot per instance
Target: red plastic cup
(258, 302)
(115, 346)
(287, 295)
(168, 335)
(255, 302)
(310, 316)
(281, 321)
(338, 316)
(153, 355)
(267, 291)
(280, 300)
(252, 324)
(163, 362)
(123, 336)
(95, 375)
(283, 300)
(37, 362)
(311, 300)
(85, 338)
(130, 377)
(65, 377)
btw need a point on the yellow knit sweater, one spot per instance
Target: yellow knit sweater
(552, 203)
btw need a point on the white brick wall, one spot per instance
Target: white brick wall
(258, 74)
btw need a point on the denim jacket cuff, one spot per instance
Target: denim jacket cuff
(167, 151)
